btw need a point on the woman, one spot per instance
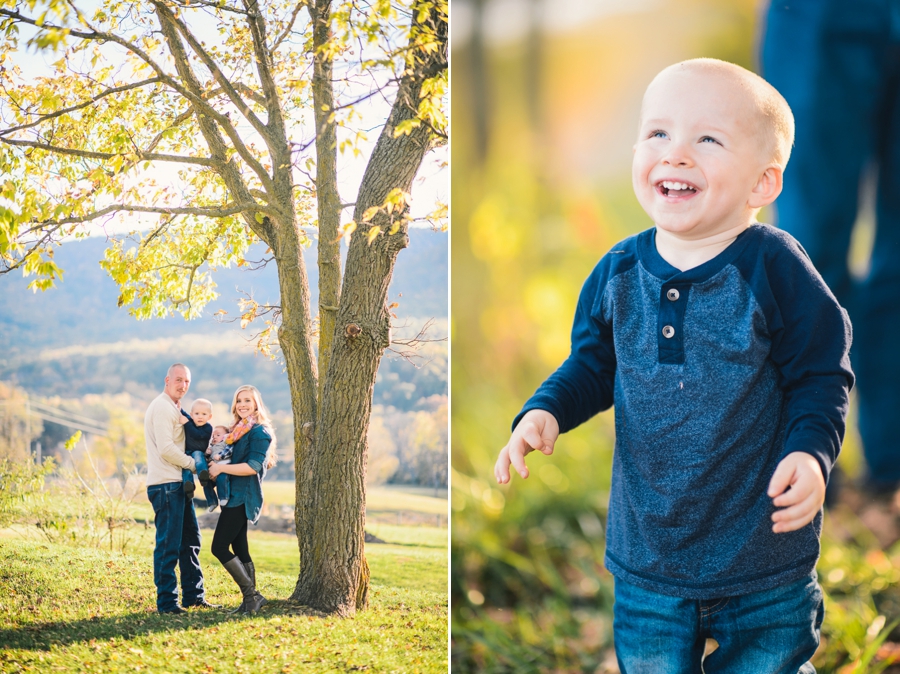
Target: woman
(253, 452)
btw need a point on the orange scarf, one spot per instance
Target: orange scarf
(241, 429)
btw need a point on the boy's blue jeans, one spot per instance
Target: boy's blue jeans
(201, 465)
(177, 543)
(775, 631)
(837, 64)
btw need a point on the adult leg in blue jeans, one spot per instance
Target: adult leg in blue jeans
(177, 542)
(168, 508)
(192, 589)
(775, 631)
(838, 66)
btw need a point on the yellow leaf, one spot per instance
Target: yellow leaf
(370, 213)
(374, 232)
(71, 442)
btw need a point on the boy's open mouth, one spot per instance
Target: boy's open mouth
(671, 188)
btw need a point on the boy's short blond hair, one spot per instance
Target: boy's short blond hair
(776, 121)
(202, 401)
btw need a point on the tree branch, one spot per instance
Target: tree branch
(290, 25)
(213, 67)
(210, 131)
(103, 94)
(89, 154)
(224, 211)
(210, 5)
(257, 26)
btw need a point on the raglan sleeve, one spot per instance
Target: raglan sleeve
(811, 336)
(583, 385)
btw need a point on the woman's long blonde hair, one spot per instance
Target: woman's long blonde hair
(262, 418)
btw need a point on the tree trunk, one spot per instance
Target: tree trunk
(334, 575)
(295, 339)
(328, 201)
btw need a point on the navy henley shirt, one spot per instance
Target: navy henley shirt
(716, 374)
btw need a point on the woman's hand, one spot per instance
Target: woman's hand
(214, 470)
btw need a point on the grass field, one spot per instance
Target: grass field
(78, 609)
(384, 504)
(382, 498)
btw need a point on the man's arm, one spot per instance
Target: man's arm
(169, 450)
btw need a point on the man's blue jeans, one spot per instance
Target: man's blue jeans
(837, 64)
(771, 632)
(177, 542)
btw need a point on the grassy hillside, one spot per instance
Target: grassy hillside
(82, 309)
(73, 340)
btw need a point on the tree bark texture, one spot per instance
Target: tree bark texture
(327, 198)
(334, 575)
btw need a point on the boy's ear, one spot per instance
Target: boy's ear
(767, 188)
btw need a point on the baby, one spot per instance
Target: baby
(219, 452)
(726, 359)
(197, 432)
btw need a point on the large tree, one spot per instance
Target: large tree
(223, 121)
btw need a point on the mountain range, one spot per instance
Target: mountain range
(73, 339)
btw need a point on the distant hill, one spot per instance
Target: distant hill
(73, 339)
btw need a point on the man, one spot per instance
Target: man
(177, 531)
(837, 64)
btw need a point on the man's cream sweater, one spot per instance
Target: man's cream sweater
(165, 442)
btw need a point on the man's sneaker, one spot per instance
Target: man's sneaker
(202, 603)
(174, 611)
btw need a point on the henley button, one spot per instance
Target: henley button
(673, 294)
(668, 332)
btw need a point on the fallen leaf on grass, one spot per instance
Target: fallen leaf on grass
(890, 650)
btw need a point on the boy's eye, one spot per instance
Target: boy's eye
(709, 139)
(659, 134)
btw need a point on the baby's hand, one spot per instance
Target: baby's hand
(803, 474)
(183, 419)
(538, 429)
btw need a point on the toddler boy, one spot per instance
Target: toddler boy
(726, 358)
(197, 433)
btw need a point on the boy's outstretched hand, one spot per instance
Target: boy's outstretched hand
(537, 430)
(803, 474)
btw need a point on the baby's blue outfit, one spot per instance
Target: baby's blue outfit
(219, 494)
(716, 373)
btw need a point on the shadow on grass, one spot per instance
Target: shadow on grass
(412, 545)
(42, 636)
